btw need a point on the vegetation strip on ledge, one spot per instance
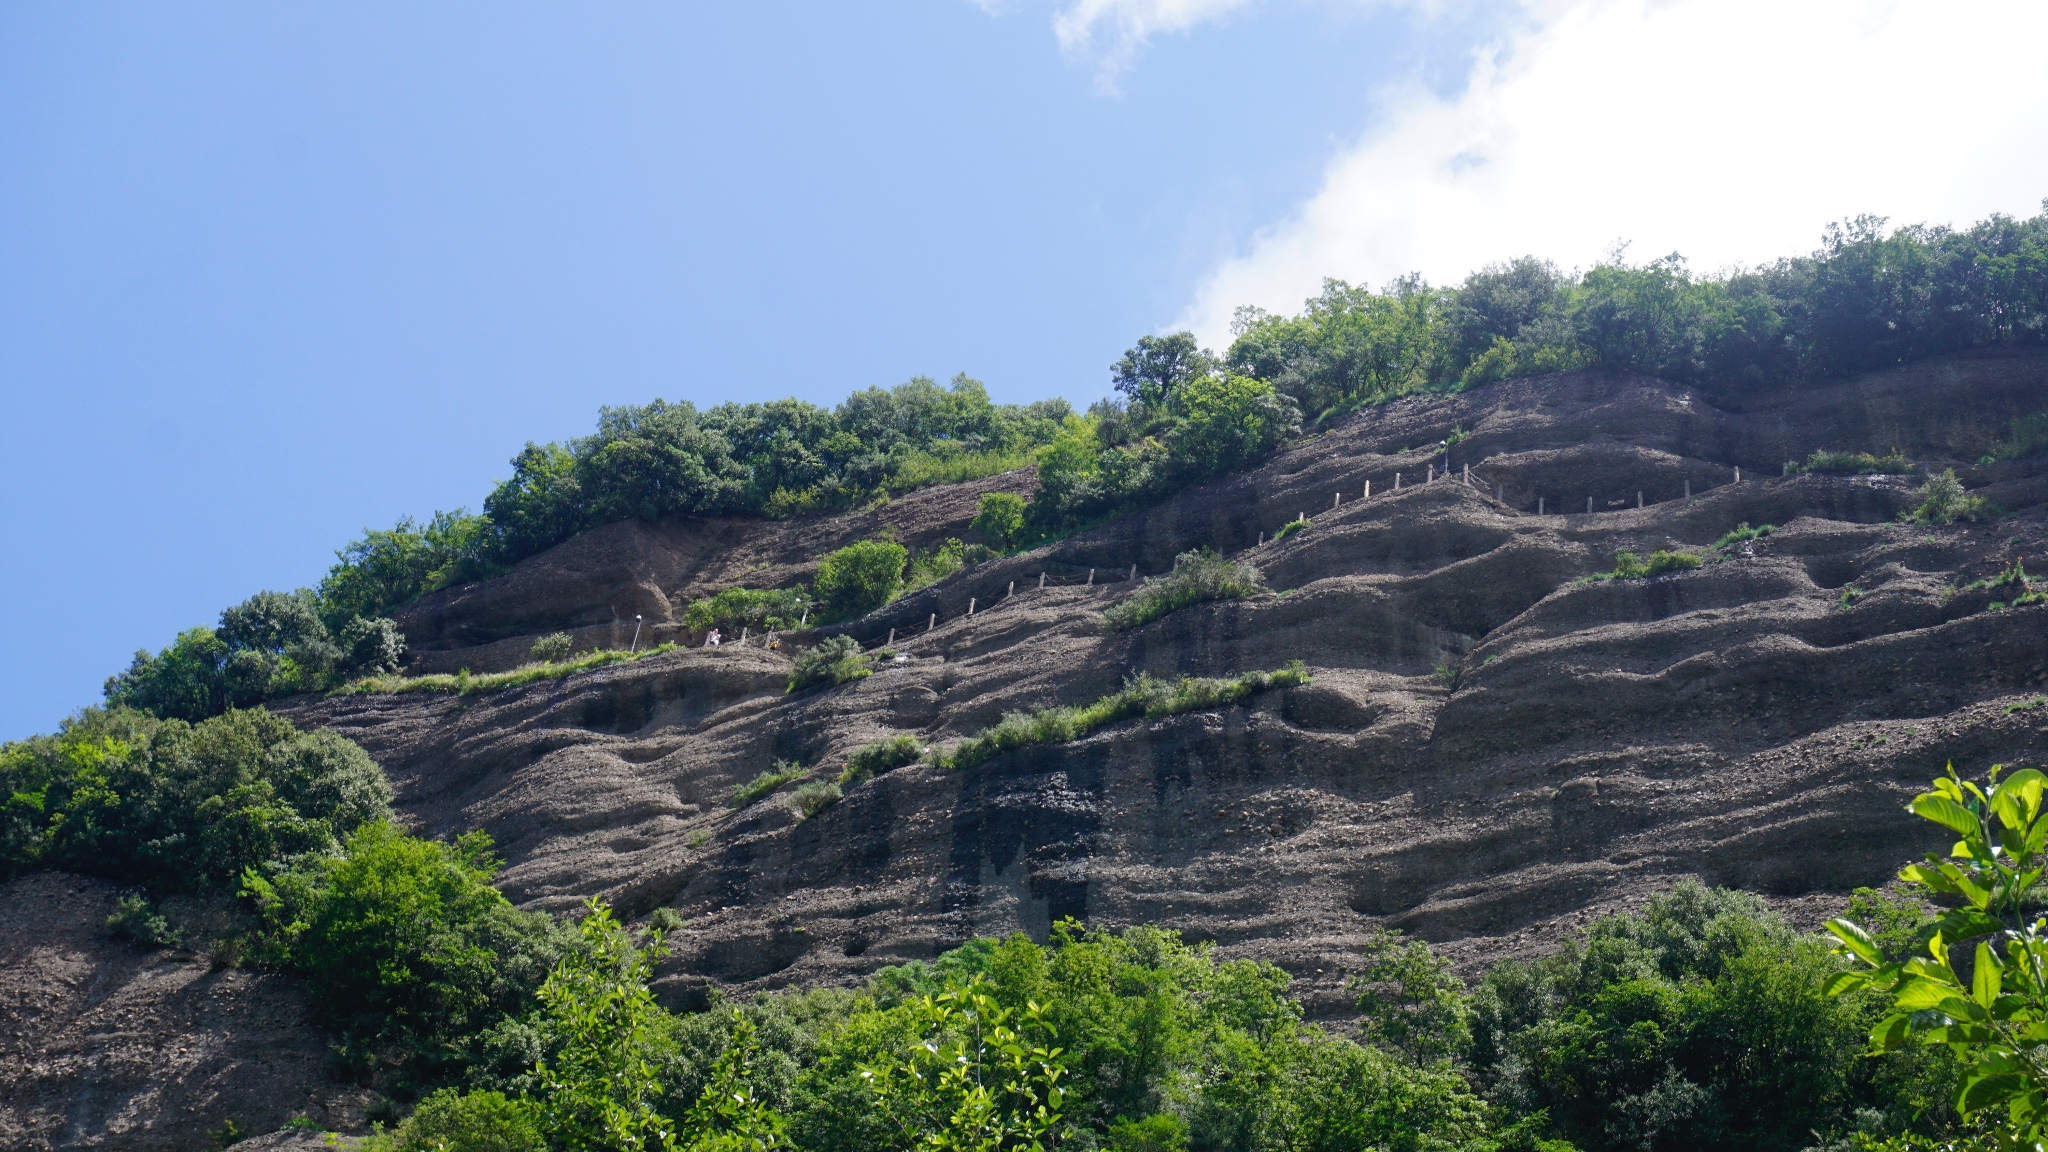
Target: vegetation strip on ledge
(465, 683)
(1142, 696)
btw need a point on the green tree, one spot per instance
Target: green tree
(981, 1076)
(834, 660)
(184, 806)
(385, 570)
(451, 1121)
(598, 1088)
(1157, 367)
(1225, 423)
(1411, 1001)
(859, 578)
(1000, 519)
(404, 942)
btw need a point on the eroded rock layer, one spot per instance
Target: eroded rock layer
(1492, 748)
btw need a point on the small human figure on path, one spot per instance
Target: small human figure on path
(711, 641)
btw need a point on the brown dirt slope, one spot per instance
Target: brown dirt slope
(109, 1045)
(1492, 749)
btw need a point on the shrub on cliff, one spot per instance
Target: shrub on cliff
(405, 945)
(879, 757)
(1943, 499)
(1196, 577)
(835, 660)
(1629, 566)
(764, 783)
(859, 578)
(1141, 695)
(551, 647)
(762, 610)
(1855, 463)
(999, 517)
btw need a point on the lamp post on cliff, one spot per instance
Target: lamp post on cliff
(636, 633)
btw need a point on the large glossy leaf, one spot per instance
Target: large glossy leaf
(1947, 813)
(1985, 1091)
(1892, 1033)
(1845, 982)
(1985, 977)
(1856, 941)
(1920, 993)
(1931, 877)
(2025, 787)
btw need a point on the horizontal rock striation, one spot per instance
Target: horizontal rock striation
(1493, 748)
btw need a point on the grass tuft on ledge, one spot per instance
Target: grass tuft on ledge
(1141, 696)
(466, 683)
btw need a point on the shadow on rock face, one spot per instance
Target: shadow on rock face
(1494, 745)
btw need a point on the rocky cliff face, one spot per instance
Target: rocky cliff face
(1490, 752)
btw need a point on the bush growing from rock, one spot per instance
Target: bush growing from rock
(1943, 500)
(815, 797)
(1629, 566)
(879, 757)
(1197, 577)
(927, 568)
(999, 518)
(551, 647)
(1141, 696)
(1855, 463)
(859, 578)
(732, 609)
(761, 785)
(835, 660)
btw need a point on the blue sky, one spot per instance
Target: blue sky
(270, 274)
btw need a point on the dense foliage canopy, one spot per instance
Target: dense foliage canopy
(1183, 415)
(118, 793)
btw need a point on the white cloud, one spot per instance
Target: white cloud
(1729, 130)
(1113, 31)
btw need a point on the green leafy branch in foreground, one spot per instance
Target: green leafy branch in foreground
(1141, 696)
(1197, 577)
(1995, 1019)
(467, 683)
